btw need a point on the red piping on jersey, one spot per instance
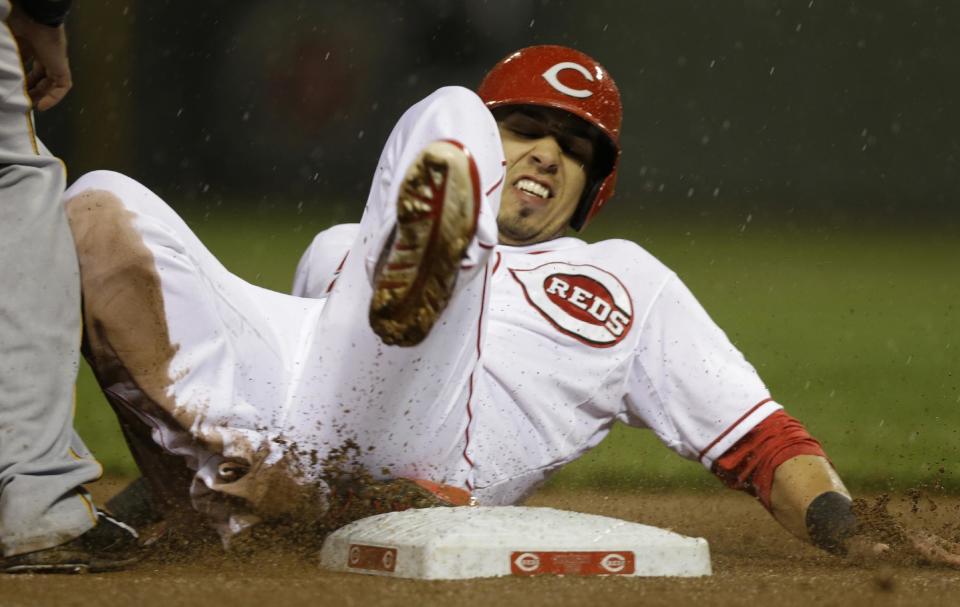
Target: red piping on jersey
(336, 273)
(503, 176)
(732, 426)
(466, 446)
(496, 185)
(496, 263)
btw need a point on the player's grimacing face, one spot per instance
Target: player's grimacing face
(548, 153)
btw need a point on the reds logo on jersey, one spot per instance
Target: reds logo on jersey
(583, 301)
(552, 78)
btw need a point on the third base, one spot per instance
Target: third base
(475, 542)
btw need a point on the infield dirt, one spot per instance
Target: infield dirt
(755, 563)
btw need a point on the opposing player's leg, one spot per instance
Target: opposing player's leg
(43, 463)
(416, 272)
(194, 360)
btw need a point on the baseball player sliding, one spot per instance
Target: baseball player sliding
(455, 335)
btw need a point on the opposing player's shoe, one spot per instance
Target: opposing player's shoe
(437, 210)
(108, 546)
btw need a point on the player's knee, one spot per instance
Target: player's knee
(458, 105)
(459, 96)
(109, 181)
(458, 113)
(104, 234)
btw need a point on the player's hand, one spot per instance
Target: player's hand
(935, 549)
(44, 52)
(919, 545)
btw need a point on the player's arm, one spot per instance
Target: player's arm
(787, 470)
(809, 500)
(784, 467)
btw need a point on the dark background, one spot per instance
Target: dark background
(814, 111)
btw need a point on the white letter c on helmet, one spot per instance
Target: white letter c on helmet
(551, 77)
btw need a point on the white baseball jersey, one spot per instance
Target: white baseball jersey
(577, 336)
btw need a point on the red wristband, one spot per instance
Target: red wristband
(749, 465)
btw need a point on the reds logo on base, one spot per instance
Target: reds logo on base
(582, 301)
(614, 562)
(527, 562)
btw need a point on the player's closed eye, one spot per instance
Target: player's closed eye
(578, 148)
(527, 129)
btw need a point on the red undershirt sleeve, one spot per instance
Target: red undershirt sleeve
(750, 463)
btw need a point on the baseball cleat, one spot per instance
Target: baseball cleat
(110, 545)
(437, 209)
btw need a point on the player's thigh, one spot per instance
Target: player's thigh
(150, 291)
(117, 199)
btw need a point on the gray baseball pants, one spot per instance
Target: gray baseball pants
(43, 463)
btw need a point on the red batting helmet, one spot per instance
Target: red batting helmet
(566, 79)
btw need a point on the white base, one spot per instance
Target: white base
(475, 542)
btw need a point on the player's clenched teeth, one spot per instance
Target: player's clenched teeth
(532, 187)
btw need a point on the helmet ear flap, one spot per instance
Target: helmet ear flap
(579, 219)
(600, 185)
